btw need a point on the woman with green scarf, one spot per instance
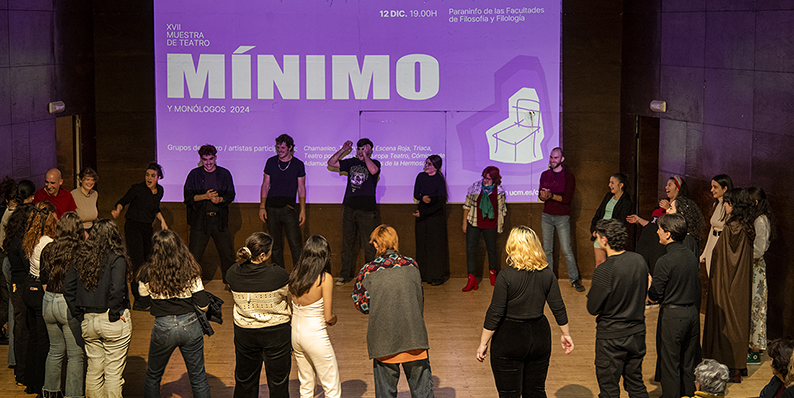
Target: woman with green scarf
(483, 214)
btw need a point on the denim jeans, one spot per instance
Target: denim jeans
(106, 345)
(473, 240)
(286, 219)
(63, 342)
(386, 375)
(10, 329)
(563, 226)
(168, 333)
(356, 224)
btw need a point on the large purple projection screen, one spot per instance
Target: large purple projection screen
(477, 82)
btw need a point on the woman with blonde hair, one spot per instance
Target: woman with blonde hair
(311, 287)
(515, 322)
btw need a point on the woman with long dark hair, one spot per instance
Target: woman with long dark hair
(483, 214)
(648, 244)
(66, 339)
(726, 331)
(16, 195)
(521, 335)
(261, 319)
(172, 279)
(41, 227)
(432, 248)
(720, 184)
(764, 224)
(616, 204)
(694, 221)
(311, 287)
(95, 290)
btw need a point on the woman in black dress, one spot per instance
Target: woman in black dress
(430, 193)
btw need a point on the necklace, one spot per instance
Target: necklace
(284, 169)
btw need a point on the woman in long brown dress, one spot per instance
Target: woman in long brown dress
(727, 328)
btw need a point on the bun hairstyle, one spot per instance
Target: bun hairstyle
(257, 244)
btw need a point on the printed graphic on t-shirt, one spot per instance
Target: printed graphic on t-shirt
(358, 174)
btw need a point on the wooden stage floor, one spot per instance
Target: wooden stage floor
(454, 322)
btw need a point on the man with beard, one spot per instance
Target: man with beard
(556, 191)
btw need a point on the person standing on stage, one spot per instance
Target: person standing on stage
(556, 191)
(360, 214)
(432, 248)
(284, 176)
(617, 299)
(53, 193)
(85, 197)
(143, 199)
(208, 191)
(676, 287)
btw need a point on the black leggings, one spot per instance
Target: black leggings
(520, 357)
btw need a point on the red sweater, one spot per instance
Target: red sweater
(563, 184)
(63, 202)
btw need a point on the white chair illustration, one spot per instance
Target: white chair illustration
(517, 139)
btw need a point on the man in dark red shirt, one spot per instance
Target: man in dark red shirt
(556, 190)
(53, 193)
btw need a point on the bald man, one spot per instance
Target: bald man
(53, 193)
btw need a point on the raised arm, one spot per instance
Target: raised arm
(334, 160)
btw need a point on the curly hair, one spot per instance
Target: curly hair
(762, 208)
(315, 261)
(58, 256)
(42, 221)
(93, 253)
(614, 231)
(524, 251)
(691, 212)
(171, 269)
(17, 224)
(742, 212)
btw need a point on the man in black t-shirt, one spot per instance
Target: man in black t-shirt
(208, 191)
(284, 176)
(617, 299)
(360, 214)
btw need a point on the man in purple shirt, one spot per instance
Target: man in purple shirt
(556, 191)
